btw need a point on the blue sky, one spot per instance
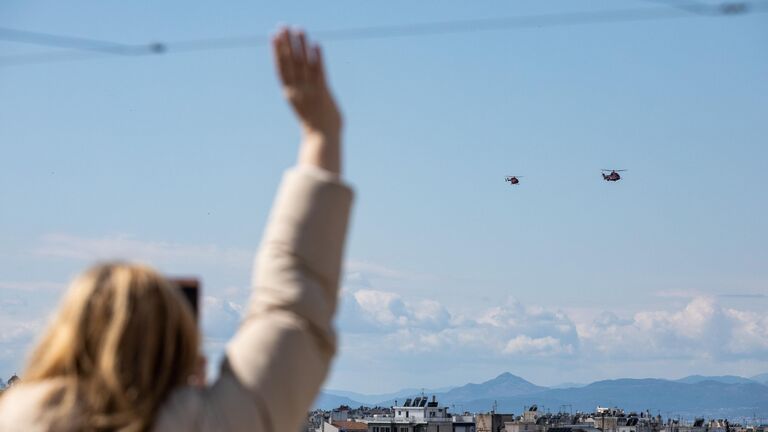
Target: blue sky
(452, 275)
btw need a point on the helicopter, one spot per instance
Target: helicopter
(613, 176)
(513, 180)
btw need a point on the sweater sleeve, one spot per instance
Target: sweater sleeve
(281, 354)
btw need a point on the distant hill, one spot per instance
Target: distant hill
(718, 397)
(568, 385)
(326, 401)
(504, 385)
(373, 399)
(726, 379)
(708, 398)
(762, 378)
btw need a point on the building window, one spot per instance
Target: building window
(406, 413)
(375, 429)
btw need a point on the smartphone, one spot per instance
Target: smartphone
(190, 288)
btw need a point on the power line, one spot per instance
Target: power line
(700, 8)
(90, 48)
(693, 7)
(59, 41)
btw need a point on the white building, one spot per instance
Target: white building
(420, 415)
(419, 408)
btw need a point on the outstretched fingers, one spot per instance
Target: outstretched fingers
(283, 52)
(316, 72)
(298, 61)
(301, 57)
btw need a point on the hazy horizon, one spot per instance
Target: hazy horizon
(560, 384)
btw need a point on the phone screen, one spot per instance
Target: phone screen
(190, 288)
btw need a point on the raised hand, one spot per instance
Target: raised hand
(301, 71)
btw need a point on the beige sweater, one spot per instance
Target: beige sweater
(278, 359)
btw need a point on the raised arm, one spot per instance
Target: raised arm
(280, 356)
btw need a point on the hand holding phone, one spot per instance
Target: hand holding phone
(190, 288)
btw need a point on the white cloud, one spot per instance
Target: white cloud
(543, 346)
(370, 271)
(33, 286)
(24, 310)
(701, 329)
(420, 326)
(16, 339)
(373, 270)
(220, 317)
(17, 333)
(749, 332)
(121, 246)
(691, 327)
(128, 247)
(385, 310)
(678, 293)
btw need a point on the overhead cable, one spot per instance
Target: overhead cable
(59, 41)
(93, 48)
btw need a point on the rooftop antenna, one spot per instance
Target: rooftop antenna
(495, 406)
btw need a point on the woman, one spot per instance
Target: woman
(121, 353)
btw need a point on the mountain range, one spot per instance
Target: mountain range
(692, 396)
(762, 378)
(726, 379)
(378, 398)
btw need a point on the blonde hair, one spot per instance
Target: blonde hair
(122, 339)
